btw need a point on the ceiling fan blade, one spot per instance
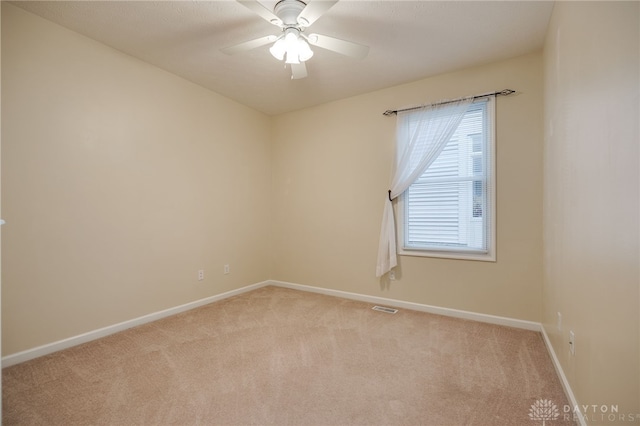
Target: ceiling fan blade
(248, 45)
(262, 11)
(298, 71)
(313, 11)
(347, 48)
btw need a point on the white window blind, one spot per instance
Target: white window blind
(450, 208)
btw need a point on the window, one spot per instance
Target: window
(449, 211)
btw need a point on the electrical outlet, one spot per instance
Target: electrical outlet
(572, 343)
(226, 269)
(200, 274)
(392, 275)
(559, 321)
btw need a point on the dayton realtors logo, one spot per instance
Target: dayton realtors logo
(543, 410)
(599, 413)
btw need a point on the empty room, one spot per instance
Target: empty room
(320, 212)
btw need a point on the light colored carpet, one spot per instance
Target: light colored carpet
(277, 356)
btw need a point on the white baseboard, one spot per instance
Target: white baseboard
(563, 379)
(39, 351)
(492, 319)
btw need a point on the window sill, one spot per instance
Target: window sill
(458, 255)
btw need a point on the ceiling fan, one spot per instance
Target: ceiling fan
(292, 45)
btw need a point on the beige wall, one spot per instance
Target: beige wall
(332, 169)
(119, 182)
(591, 213)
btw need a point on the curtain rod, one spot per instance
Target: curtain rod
(504, 92)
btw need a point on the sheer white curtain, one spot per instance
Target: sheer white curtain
(421, 136)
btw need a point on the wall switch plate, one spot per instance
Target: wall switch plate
(226, 269)
(201, 275)
(572, 343)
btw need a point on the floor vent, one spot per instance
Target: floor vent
(385, 309)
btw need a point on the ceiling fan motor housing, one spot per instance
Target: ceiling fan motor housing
(288, 11)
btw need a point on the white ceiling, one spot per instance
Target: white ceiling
(408, 40)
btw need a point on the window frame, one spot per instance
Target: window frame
(463, 253)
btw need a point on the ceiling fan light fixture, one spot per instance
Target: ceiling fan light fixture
(292, 58)
(278, 49)
(291, 37)
(292, 47)
(305, 52)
